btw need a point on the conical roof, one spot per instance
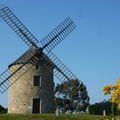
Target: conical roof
(29, 53)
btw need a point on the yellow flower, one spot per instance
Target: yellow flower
(114, 90)
(106, 89)
(118, 81)
(116, 86)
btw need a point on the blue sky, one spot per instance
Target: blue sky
(91, 51)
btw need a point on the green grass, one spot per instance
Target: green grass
(50, 117)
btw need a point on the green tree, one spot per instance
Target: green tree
(71, 96)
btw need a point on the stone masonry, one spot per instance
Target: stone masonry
(23, 91)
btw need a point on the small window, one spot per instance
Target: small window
(37, 66)
(36, 80)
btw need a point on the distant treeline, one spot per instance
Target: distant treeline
(108, 107)
(2, 110)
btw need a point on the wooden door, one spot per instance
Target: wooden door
(36, 105)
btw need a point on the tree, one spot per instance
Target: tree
(71, 96)
(2, 110)
(114, 90)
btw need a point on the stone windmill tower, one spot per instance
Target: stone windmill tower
(30, 77)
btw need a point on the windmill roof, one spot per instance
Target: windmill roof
(22, 59)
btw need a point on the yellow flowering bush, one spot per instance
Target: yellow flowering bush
(114, 90)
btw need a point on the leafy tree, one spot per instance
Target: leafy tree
(71, 96)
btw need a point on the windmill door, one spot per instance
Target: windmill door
(36, 105)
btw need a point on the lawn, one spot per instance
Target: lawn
(51, 117)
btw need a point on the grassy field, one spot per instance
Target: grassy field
(51, 117)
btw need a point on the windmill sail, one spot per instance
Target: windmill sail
(62, 73)
(60, 70)
(49, 42)
(17, 71)
(8, 16)
(57, 35)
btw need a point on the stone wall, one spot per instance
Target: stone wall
(22, 92)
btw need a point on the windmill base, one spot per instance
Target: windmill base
(33, 92)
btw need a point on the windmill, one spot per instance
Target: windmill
(30, 77)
